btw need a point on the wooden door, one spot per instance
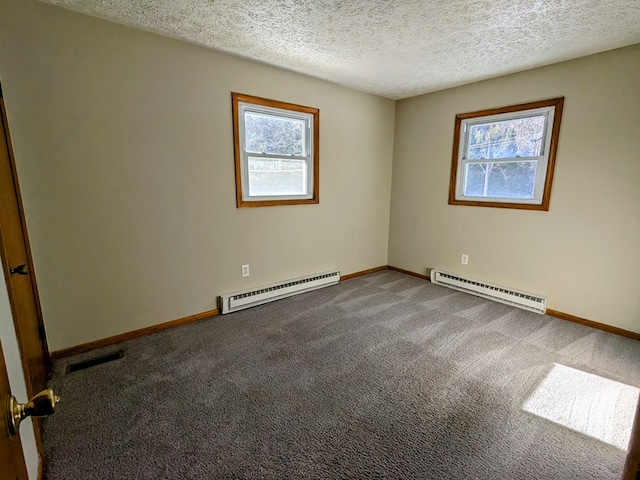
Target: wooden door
(12, 463)
(18, 270)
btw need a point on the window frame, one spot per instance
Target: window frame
(543, 180)
(241, 103)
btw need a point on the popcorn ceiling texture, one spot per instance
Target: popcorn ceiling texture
(396, 49)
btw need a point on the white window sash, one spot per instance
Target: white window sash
(308, 148)
(542, 160)
(276, 157)
(502, 160)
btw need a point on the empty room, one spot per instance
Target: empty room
(320, 239)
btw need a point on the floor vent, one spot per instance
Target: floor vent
(232, 302)
(516, 298)
(92, 362)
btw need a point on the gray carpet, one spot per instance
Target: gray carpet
(382, 376)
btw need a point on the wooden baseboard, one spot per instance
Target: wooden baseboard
(408, 272)
(104, 342)
(554, 313)
(85, 347)
(363, 272)
(591, 323)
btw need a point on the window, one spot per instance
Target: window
(276, 152)
(505, 157)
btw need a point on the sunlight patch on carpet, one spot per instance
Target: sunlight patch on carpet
(596, 406)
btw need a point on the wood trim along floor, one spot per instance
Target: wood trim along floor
(555, 313)
(591, 323)
(407, 272)
(104, 342)
(363, 272)
(85, 347)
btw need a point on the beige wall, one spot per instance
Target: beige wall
(584, 253)
(123, 143)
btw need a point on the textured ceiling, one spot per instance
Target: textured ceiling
(393, 48)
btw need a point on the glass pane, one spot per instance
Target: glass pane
(501, 180)
(275, 177)
(522, 137)
(274, 135)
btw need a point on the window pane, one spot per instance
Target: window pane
(501, 180)
(275, 177)
(274, 135)
(522, 137)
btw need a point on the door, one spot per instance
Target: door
(12, 464)
(17, 264)
(18, 269)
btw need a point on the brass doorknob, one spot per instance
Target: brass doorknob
(41, 405)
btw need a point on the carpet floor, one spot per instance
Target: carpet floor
(381, 376)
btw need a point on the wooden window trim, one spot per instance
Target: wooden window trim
(315, 112)
(555, 132)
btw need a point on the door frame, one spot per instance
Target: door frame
(31, 341)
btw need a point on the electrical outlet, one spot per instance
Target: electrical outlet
(245, 270)
(464, 260)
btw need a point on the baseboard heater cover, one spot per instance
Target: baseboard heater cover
(517, 298)
(232, 302)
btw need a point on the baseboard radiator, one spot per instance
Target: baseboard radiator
(510, 296)
(232, 302)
